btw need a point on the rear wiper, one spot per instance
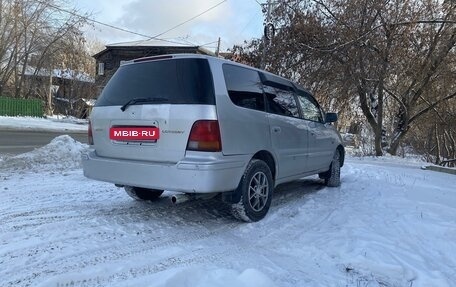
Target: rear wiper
(142, 100)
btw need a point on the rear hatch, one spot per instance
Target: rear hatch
(147, 109)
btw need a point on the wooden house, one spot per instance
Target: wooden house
(109, 60)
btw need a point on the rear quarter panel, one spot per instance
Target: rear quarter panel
(243, 131)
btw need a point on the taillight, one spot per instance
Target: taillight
(205, 136)
(89, 133)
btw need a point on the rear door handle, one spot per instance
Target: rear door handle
(276, 129)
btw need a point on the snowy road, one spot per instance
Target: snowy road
(389, 224)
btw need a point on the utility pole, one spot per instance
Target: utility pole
(218, 48)
(49, 97)
(266, 41)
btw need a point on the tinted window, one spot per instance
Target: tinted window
(244, 87)
(281, 102)
(310, 109)
(179, 81)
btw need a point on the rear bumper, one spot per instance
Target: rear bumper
(191, 175)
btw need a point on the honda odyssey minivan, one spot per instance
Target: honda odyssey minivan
(202, 125)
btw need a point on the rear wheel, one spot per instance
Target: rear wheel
(332, 176)
(255, 188)
(140, 193)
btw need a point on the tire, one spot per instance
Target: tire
(256, 187)
(332, 176)
(140, 193)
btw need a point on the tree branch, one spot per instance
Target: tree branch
(332, 48)
(435, 110)
(329, 11)
(433, 61)
(431, 106)
(396, 98)
(434, 21)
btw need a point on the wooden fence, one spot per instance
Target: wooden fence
(20, 107)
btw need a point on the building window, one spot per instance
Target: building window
(100, 69)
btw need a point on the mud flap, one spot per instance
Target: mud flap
(232, 197)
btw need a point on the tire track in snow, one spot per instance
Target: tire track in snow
(99, 256)
(119, 215)
(117, 252)
(163, 207)
(212, 255)
(194, 214)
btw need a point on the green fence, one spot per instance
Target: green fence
(20, 107)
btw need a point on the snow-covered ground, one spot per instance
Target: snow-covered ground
(54, 123)
(389, 224)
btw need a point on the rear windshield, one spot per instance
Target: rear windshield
(179, 81)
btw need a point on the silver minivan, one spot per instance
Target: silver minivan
(204, 126)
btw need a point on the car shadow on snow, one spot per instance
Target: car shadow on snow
(296, 190)
(198, 211)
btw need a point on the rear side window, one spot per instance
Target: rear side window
(281, 102)
(179, 81)
(244, 87)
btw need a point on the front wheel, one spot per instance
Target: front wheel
(332, 176)
(140, 193)
(255, 188)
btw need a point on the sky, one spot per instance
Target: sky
(233, 21)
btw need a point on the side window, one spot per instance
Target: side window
(281, 102)
(310, 109)
(244, 87)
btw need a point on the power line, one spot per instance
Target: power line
(105, 24)
(133, 32)
(185, 41)
(194, 17)
(209, 43)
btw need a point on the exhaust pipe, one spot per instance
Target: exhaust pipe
(180, 198)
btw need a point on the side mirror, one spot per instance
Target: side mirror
(330, 118)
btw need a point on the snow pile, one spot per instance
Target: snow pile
(61, 153)
(57, 123)
(191, 276)
(67, 119)
(410, 160)
(216, 277)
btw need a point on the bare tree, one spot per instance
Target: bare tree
(35, 37)
(389, 61)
